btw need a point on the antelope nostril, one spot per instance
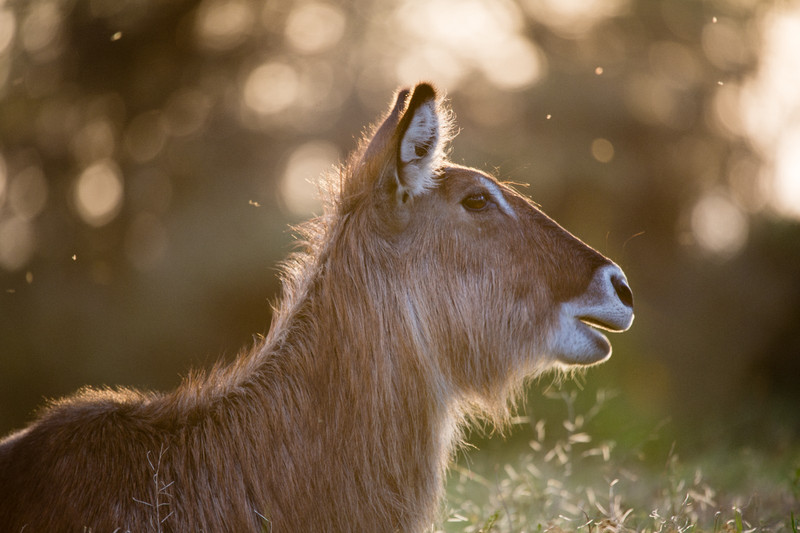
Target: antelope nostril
(623, 291)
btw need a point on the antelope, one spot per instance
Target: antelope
(426, 294)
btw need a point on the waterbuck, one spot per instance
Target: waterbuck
(426, 293)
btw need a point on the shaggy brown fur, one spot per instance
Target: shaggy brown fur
(427, 292)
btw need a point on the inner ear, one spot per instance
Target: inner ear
(420, 150)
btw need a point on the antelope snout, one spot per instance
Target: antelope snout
(607, 304)
(608, 300)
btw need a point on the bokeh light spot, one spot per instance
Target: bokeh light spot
(573, 18)
(98, 193)
(298, 187)
(41, 27)
(479, 35)
(27, 193)
(652, 101)
(675, 64)
(223, 24)
(430, 63)
(725, 45)
(146, 136)
(724, 110)
(271, 88)
(602, 150)
(770, 104)
(315, 26)
(17, 243)
(95, 141)
(718, 225)
(517, 64)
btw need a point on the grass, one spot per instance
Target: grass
(562, 475)
(160, 503)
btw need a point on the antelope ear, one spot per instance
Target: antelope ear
(421, 151)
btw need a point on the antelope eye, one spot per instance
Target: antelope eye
(475, 202)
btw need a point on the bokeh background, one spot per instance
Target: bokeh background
(153, 155)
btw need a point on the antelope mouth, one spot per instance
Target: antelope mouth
(606, 305)
(601, 324)
(581, 340)
(587, 344)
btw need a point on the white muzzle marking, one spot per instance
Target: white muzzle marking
(606, 304)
